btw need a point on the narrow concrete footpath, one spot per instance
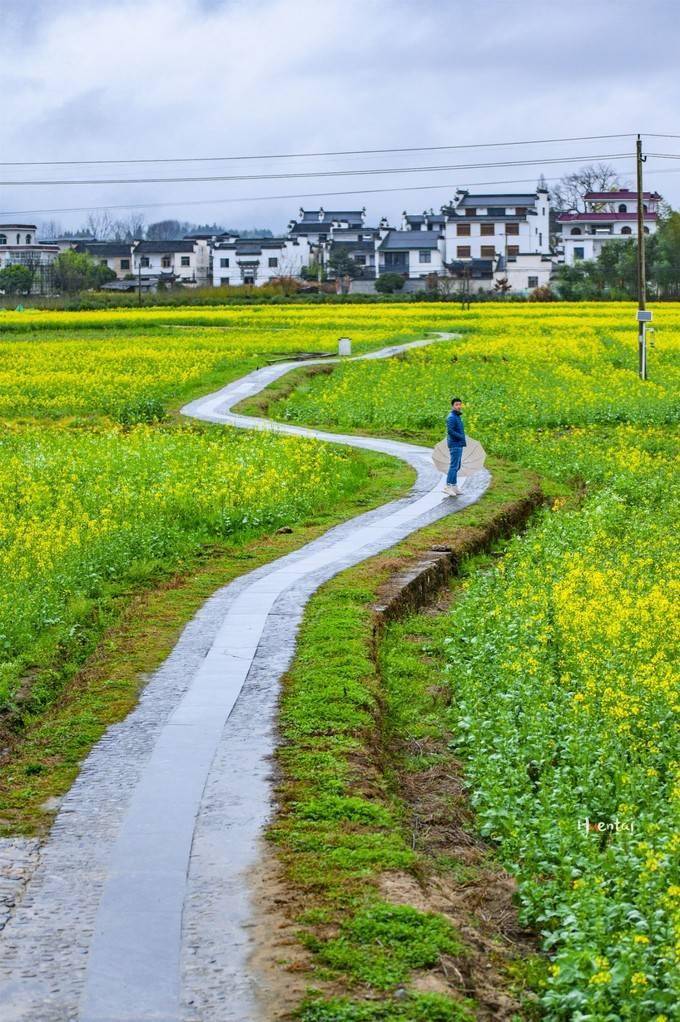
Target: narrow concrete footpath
(137, 908)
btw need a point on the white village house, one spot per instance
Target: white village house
(19, 245)
(184, 262)
(256, 261)
(329, 232)
(415, 254)
(117, 255)
(608, 216)
(509, 230)
(477, 240)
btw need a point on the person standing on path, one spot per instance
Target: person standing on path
(455, 438)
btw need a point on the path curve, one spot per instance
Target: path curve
(138, 909)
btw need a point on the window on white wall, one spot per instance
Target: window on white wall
(224, 263)
(532, 281)
(424, 255)
(273, 261)
(186, 261)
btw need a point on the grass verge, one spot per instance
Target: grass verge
(358, 926)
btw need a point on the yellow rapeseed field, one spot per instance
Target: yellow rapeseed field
(564, 658)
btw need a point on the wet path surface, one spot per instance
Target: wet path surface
(137, 907)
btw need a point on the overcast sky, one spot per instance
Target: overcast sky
(140, 79)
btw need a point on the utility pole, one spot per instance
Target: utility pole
(643, 316)
(139, 282)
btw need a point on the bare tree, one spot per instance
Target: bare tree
(50, 229)
(128, 228)
(167, 230)
(570, 191)
(100, 224)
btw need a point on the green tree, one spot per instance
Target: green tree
(78, 271)
(664, 258)
(342, 264)
(16, 279)
(388, 283)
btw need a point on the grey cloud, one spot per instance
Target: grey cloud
(220, 77)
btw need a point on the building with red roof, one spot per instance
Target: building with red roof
(608, 216)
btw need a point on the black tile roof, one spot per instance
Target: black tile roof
(251, 245)
(410, 239)
(353, 215)
(508, 199)
(105, 249)
(154, 247)
(352, 246)
(419, 218)
(489, 218)
(477, 267)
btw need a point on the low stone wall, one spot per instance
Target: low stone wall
(409, 590)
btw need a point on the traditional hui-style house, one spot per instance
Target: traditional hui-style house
(428, 220)
(117, 255)
(331, 231)
(608, 216)
(256, 261)
(318, 225)
(184, 262)
(416, 254)
(511, 230)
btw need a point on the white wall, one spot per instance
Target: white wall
(155, 265)
(290, 257)
(519, 273)
(592, 243)
(533, 236)
(435, 265)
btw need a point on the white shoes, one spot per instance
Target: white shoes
(452, 491)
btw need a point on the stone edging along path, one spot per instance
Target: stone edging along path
(137, 908)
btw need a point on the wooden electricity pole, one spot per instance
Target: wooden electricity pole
(643, 316)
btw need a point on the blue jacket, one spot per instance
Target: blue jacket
(455, 433)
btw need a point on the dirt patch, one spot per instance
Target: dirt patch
(477, 896)
(279, 961)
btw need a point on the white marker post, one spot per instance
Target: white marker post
(644, 316)
(344, 346)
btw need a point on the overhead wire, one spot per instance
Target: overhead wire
(267, 198)
(295, 156)
(362, 172)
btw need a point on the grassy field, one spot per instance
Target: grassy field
(105, 491)
(557, 659)
(562, 657)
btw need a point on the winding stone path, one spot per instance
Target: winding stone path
(137, 908)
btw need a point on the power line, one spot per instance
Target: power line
(268, 198)
(295, 156)
(363, 172)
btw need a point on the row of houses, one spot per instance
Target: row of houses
(477, 241)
